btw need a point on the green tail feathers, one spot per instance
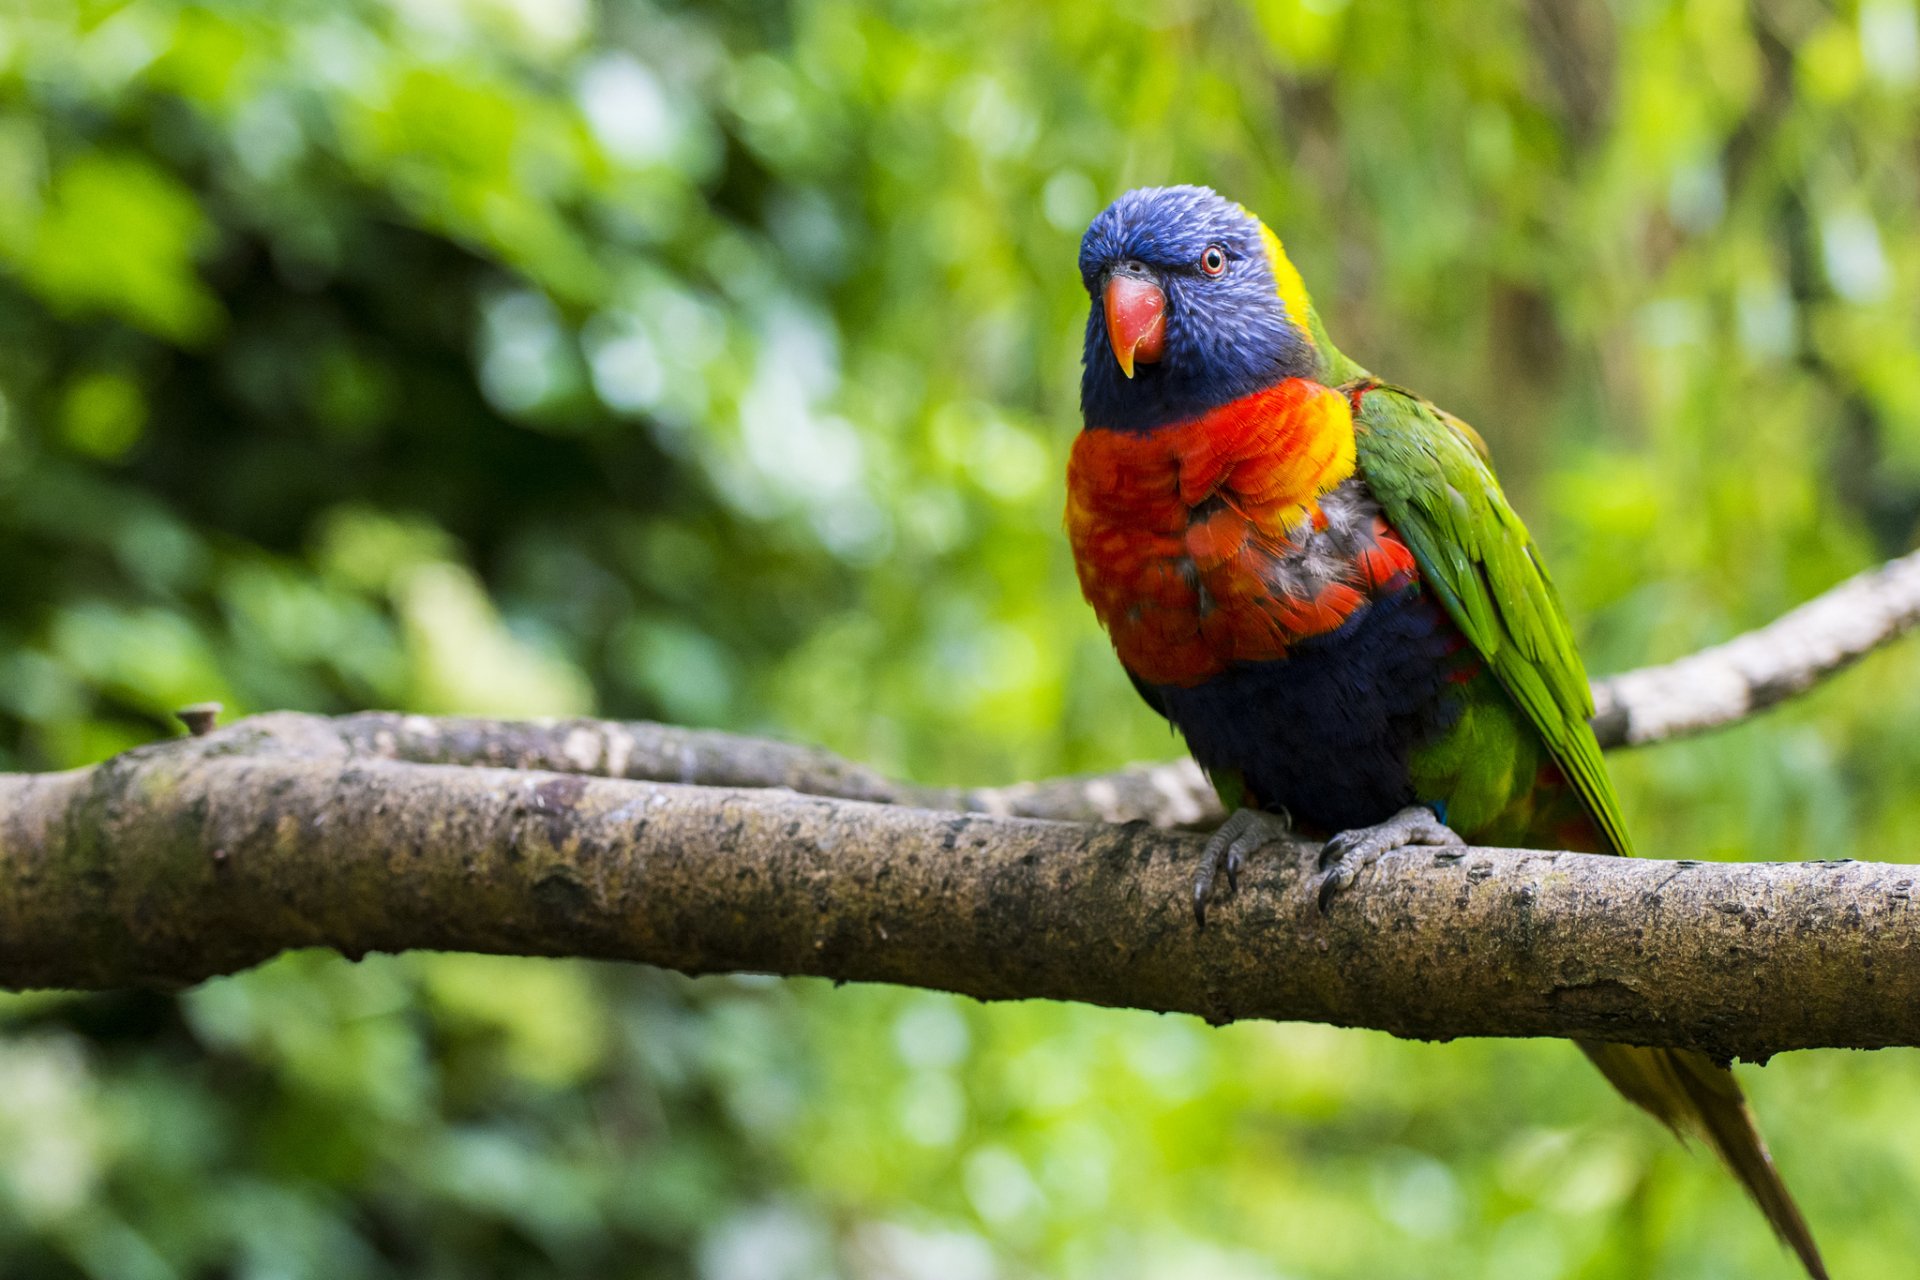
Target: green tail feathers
(1430, 474)
(1694, 1096)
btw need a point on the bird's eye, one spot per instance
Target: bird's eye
(1214, 260)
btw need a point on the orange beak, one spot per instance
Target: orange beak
(1136, 321)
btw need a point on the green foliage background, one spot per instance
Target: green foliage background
(718, 364)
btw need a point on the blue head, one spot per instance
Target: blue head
(1194, 305)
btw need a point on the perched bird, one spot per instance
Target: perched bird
(1314, 575)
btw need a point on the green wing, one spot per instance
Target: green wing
(1430, 474)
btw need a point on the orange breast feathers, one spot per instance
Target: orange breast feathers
(1230, 537)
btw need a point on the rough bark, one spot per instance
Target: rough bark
(205, 855)
(188, 859)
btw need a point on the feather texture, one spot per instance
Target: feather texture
(1207, 542)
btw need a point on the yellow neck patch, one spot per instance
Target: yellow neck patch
(1287, 281)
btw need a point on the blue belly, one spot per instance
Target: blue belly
(1325, 733)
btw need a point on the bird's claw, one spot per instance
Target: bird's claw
(1344, 857)
(1243, 834)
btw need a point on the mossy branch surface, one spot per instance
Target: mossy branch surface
(206, 855)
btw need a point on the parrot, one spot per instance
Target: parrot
(1314, 576)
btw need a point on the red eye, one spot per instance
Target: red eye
(1214, 260)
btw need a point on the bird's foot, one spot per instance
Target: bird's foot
(1244, 833)
(1344, 857)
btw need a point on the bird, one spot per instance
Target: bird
(1314, 575)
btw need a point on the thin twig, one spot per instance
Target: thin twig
(1746, 675)
(1711, 689)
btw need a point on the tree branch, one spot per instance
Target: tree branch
(1710, 689)
(1748, 674)
(206, 855)
(186, 859)
(1174, 794)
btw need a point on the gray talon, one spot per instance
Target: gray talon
(1244, 833)
(1344, 857)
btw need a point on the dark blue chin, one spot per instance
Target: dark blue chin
(1190, 379)
(1157, 395)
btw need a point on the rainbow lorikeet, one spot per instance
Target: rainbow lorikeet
(1314, 575)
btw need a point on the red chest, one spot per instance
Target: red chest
(1230, 537)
